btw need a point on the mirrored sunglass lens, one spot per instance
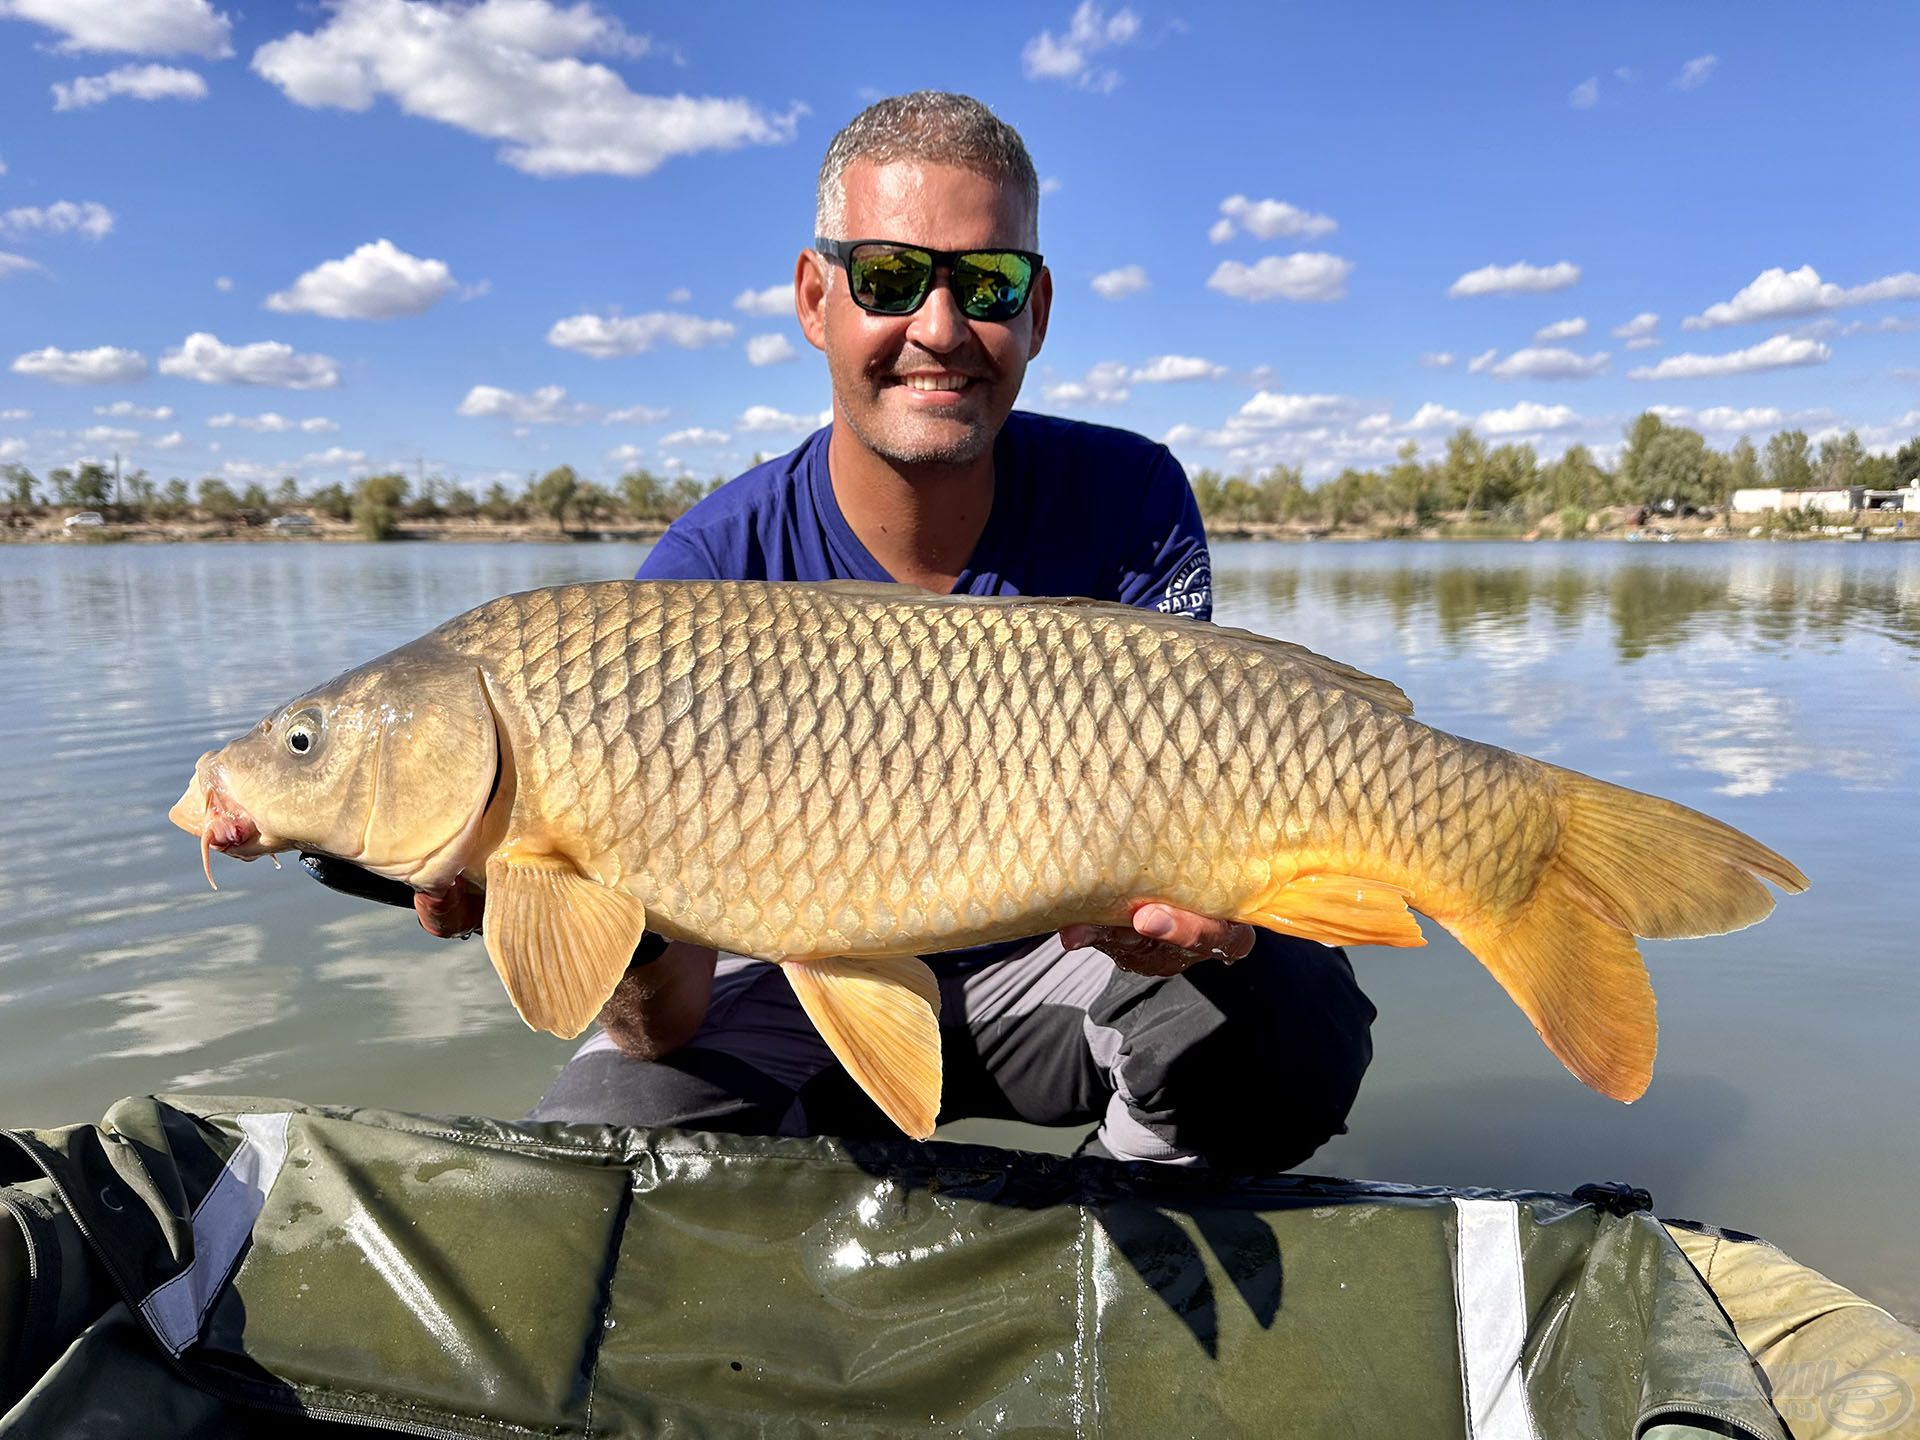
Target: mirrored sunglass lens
(992, 285)
(889, 280)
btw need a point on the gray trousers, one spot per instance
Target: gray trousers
(1248, 1067)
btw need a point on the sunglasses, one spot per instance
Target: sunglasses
(886, 278)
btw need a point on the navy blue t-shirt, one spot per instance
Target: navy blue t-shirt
(1077, 510)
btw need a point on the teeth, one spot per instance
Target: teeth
(934, 382)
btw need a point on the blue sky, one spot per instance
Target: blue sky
(321, 239)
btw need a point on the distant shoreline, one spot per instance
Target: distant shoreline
(1888, 525)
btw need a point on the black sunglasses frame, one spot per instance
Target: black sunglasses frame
(948, 260)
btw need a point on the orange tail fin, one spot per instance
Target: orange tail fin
(1627, 864)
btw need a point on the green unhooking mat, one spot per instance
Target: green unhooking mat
(215, 1268)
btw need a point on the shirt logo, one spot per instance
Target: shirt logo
(1189, 589)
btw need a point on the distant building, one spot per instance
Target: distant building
(1838, 499)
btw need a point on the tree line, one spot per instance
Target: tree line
(378, 504)
(1661, 464)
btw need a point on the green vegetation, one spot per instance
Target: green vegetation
(1471, 488)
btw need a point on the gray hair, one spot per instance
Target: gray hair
(932, 126)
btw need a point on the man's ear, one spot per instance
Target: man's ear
(810, 297)
(1040, 303)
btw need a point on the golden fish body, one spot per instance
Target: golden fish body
(858, 773)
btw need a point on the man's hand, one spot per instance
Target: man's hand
(1163, 940)
(452, 914)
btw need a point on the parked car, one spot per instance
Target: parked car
(84, 520)
(290, 524)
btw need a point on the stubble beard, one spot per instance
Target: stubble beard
(960, 449)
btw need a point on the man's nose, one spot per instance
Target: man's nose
(938, 324)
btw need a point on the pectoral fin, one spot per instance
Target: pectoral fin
(1338, 910)
(881, 1020)
(560, 941)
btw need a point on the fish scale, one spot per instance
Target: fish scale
(847, 775)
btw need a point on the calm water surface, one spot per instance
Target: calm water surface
(1774, 686)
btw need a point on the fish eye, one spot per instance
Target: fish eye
(303, 733)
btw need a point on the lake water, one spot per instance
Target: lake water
(1776, 686)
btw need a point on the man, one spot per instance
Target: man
(1189, 1040)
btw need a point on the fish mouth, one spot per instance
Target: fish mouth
(208, 811)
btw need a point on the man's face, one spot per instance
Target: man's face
(933, 387)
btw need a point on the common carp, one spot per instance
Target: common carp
(842, 777)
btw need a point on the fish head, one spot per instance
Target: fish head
(390, 766)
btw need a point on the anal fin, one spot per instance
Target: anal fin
(1338, 910)
(881, 1019)
(559, 940)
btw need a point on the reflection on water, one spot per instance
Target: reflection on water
(1772, 685)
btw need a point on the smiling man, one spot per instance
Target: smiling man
(1189, 1040)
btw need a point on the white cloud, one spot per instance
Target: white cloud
(1118, 284)
(636, 415)
(332, 456)
(1438, 359)
(12, 448)
(774, 300)
(625, 454)
(1050, 185)
(204, 358)
(378, 281)
(1105, 384)
(1549, 363)
(16, 414)
(88, 217)
(12, 264)
(1482, 362)
(1527, 418)
(127, 410)
(172, 440)
(1562, 329)
(509, 70)
(1624, 74)
(1776, 294)
(1516, 279)
(1586, 94)
(605, 336)
(762, 419)
(1267, 220)
(1722, 417)
(271, 423)
(223, 283)
(1695, 72)
(769, 350)
(141, 27)
(1434, 417)
(1068, 57)
(1777, 353)
(546, 406)
(103, 365)
(1305, 275)
(108, 435)
(1273, 410)
(1638, 332)
(136, 82)
(1168, 369)
(679, 295)
(697, 436)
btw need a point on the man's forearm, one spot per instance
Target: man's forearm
(658, 1006)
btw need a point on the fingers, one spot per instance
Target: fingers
(1225, 939)
(1163, 940)
(453, 914)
